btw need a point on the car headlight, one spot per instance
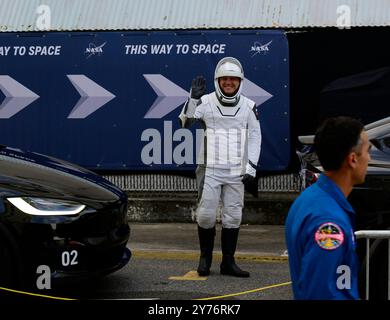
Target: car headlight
(46, 207)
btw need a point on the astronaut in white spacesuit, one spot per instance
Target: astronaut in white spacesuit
(230, 154)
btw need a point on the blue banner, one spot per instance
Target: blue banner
(110, 100)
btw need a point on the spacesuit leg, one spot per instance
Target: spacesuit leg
(208, 204)
(210, 191)
(233, 201)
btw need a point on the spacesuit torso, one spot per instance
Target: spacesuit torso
(226, 132)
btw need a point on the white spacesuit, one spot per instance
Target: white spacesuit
(230, 157)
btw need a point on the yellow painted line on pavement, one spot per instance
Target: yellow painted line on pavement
(191, 275)
(247, 292)
(35, 294)
(173, 255)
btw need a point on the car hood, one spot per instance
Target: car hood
(28, 173)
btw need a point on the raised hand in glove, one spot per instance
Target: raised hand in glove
(198, 87)
(251, 184)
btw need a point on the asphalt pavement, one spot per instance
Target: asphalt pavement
(164, 261)
(260, 241)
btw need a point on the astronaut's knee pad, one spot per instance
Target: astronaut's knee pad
(206, 219)
(231, 219)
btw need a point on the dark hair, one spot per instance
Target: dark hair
(334, 140)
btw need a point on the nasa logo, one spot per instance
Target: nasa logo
(258, 48)
(94, 49)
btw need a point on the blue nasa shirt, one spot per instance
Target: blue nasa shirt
(321, 244)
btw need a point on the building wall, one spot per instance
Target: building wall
(23, 15)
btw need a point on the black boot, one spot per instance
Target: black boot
(229, 242)
(206, 242)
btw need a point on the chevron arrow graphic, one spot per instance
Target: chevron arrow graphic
(254, 92)
(17, 97)
(170, 96)
(93, 96)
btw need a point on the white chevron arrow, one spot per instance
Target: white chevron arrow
(170, 96)
(254, 92)
(93, 96)
(17, 97)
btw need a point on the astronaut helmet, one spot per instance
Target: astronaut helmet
(228, 67)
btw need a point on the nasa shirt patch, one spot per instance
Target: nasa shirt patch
(329, 236)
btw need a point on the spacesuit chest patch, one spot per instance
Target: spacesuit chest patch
(329, 236)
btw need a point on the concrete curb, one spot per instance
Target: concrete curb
(217, 256)
(270, 208)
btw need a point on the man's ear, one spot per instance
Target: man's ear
(352, 159)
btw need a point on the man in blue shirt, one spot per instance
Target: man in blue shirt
(320, 224)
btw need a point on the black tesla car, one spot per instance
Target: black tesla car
(59, 218)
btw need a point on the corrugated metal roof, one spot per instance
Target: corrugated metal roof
(21, 15)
